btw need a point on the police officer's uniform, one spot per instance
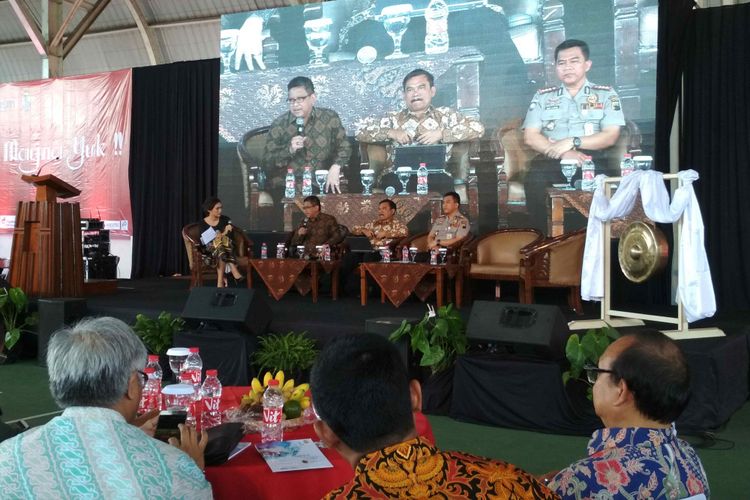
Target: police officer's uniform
(447, 228)
(558, 115)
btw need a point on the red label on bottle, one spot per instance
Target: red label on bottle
(272, 415)
(211, 404)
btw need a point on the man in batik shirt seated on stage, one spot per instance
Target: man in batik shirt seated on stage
(366, 406)
(385, 229)
(641, 386)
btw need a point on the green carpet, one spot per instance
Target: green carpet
(24, 393)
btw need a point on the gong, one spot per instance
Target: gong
(642, 251)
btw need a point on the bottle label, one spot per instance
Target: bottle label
(272, 415)
(404, 254)
(211, 404)
(433, 257)
(588, 174)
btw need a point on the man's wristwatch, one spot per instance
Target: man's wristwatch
(576, 142)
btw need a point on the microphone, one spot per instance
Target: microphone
(304, 222)
(300, 125)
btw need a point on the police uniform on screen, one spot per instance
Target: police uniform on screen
(558, 115)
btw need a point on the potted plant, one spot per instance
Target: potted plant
(157, 334)
(16, 318)
(293, 353)
(437, 339)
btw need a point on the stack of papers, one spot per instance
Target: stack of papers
(299, 454)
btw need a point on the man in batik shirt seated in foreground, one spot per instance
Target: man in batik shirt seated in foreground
(385, 228)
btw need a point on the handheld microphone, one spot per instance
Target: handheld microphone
(300, 125)
(304, 222)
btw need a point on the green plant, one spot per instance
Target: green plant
(291, 352)
(16, 319)
(157, 333)
(586, 350)
(440, 336)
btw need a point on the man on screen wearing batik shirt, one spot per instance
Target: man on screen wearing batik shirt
(419, 122)
(306, 135)
(569, 121)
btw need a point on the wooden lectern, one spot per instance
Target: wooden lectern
(46, 256)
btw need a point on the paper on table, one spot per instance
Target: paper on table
(208, 236)
(241, 446)
(298, 454)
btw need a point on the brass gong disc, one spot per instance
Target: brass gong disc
(642, 251)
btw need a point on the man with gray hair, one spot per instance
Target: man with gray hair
(92, 450)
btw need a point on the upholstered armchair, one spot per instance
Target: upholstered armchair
(191, 236)
(250, 152)
(419, 241)
(496, 256)
(555, 262)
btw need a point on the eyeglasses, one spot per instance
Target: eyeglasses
(144, 377)
(306, 207)
(297, 100)
(592, 372)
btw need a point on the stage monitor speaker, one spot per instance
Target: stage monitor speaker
(227, 309)
(526, 329)
(55, 314)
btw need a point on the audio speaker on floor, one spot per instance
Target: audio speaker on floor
(55, 314)
(526, 329)
(228, 309)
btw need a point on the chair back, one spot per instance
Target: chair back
(250, 149)
(504, 246)
(566, 260)
(418, 240)
(191, 237)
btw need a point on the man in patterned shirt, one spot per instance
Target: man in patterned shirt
(306, 136)
(93, 450)
(641, 386)
(385, 229)
(422, 123)
(316, 229)
(366, 406)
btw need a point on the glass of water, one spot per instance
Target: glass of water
(321, 176)
(395, 20)
(404, 174)
(642, 162)
(568, 168)
(443, 252)
(412, 254)
(317, 35)
(367, 176)
(300, 251)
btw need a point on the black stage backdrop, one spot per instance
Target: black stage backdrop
(173, 159)
(715, 139)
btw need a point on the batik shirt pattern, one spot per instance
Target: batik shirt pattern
(383, 231)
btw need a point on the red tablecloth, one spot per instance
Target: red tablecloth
(248, 476)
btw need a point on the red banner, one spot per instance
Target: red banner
(77, 128)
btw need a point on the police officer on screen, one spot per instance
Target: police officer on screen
(569, 121)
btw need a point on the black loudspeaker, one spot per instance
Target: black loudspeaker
(529, 329)
(227, 309)
(385, 327)
(55, 314)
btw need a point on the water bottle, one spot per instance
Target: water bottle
(153, 362)
(436, 19)
(150, 399)
(404, 254)
(210, 400)
(626, 165)
(187, 380)
(327, 252)
(307, 181)
(273, 408)
(422, 179)
(588, 172)
(264, 251)
(280, 251)
(193, 367)
(289, 190)
(433, 257)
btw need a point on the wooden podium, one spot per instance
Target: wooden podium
(46, 256)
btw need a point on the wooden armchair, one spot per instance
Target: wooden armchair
(496, 256)
(250, 152)
(554, 262)
(191, 236)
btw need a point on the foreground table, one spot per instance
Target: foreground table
(280, 275)
(398, 280)
(248, 476)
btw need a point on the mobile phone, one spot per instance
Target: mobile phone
(166, 426)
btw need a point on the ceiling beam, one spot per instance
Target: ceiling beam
(83, 25)
(30, 25)
(147, 33)
(61, 30)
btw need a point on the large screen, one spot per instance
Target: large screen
(487, 66)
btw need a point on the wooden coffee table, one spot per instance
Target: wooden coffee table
(398, 280)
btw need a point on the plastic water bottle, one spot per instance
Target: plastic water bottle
(153, 362)
(436, 19)
(307, 181)
(280, 251)
(327, 252)
(588, 172)
(193, 367)
(422, 179)
(404, 254)
(192, 396)
(150, 399)
(210, 400)
(273, 408)
(289, 190)
(626, 165)
(433, 257)
(264, 251)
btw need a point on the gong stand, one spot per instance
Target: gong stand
(618, 318)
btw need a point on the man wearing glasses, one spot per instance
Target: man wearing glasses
(640, 387)
(316, 229)
(306, 136)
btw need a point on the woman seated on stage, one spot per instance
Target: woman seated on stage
(219, 252)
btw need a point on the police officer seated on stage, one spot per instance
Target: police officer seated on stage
(569, 121)
(451, 227)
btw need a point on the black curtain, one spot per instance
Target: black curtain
(173, 159)
(716, 143)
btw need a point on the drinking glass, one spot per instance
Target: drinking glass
(177, 356)
(367, 176)
(321, 176)
(318, 34)
(443, 254)
(568, 168)
(413, 254)
(642, 162)
(395, 20)
(404, 174)
(228, 46)
(300, 251)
